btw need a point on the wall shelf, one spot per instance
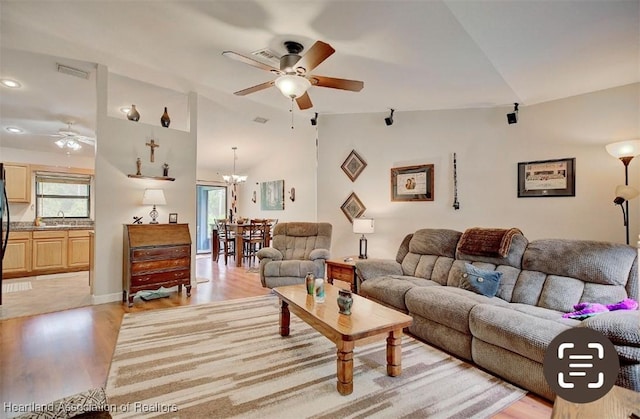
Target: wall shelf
(171, 179)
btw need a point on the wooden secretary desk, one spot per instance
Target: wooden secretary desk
(155, 255)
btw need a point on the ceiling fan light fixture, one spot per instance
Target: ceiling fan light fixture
(292, 86)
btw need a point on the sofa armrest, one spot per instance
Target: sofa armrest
(319, 254)
(372, 268)
(621, 327)
(269, 253)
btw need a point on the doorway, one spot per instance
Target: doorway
(211, 203)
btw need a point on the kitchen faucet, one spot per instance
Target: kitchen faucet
(61, 212)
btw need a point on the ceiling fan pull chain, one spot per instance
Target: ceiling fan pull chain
(291, 110)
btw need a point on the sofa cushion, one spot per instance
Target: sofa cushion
(446, 305)
(525, 334)
(293, 268)
(588, 261)
(481, 281)
(391, 289)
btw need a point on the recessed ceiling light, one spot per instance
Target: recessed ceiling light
(14, 130)
(125, 109)
(10, 83)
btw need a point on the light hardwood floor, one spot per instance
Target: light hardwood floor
(46, 357)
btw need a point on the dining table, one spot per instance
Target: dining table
(238, 229)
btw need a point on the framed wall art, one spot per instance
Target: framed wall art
(173, 218)
(272, 195)
(547, 178)
(353, 165)
(353, 207)
(412, 183)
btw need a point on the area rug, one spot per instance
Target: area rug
(227, 359)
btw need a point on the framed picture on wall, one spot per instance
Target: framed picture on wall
(353, 165)
(353, 207)
(412, 183)
(272, 195)
(543, 178)
(173, 218)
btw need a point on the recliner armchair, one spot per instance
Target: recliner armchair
(297, 248)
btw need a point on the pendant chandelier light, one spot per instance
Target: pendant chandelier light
(234, 179)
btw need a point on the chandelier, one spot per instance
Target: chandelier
(234, 179)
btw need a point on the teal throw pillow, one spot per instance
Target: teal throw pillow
(480, 281)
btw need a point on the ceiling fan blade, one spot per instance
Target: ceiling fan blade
(250, 61)
(254, 89)
(318, 52)
(344, 84)
(86, 140)
(304, 101)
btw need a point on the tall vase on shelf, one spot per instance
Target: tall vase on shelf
(165, 120)
(133, 114)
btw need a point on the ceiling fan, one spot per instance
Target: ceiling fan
(71, 139)
(294, 73)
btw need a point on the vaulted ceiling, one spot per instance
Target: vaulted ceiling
(411, 55)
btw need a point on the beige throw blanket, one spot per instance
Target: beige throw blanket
(492, 242)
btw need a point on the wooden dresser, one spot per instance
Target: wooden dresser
(155, 255)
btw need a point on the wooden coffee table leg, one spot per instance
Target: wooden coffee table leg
(285, 318)
(345, 367)
(394, 353)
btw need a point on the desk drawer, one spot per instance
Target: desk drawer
(342, 274)
(171, 252)
(159, 278)
(150, 266)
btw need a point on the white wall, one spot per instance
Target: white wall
(488, 150)
(118, 197)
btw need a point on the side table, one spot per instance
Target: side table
(343, 269)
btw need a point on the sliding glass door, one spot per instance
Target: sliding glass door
(211, 204)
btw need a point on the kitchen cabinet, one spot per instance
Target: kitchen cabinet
(78, 249)
(49, 250)
(18, 182)
(17, 259)
(155, 255)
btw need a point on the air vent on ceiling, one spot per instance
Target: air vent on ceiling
(72, 71)
(267, 54)
(260, 120)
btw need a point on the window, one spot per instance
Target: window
(58, 194)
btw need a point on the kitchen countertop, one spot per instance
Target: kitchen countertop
(51, 227)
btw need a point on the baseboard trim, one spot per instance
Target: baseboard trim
(106, 298)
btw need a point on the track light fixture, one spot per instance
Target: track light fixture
(314, 120)
(389, 119)
(512, 118)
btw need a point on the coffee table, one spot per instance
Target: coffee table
(367, 319)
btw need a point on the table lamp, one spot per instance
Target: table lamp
(153, 197)
(363, 226)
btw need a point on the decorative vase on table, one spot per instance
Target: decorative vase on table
(345, 301)
(133, 114)
(310, 282)
(165, 120)
(318, 295)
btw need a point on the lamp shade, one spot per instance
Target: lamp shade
(622, 149)
(626, 192)
(292, 86)
(153, 197)
(363, 225)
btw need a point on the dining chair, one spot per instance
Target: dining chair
(227, 239)
(253, 238)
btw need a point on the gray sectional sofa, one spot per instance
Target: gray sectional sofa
(508, 334)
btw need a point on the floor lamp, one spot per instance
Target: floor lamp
(625, 151)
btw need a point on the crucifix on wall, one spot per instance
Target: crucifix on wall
(153, 145)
